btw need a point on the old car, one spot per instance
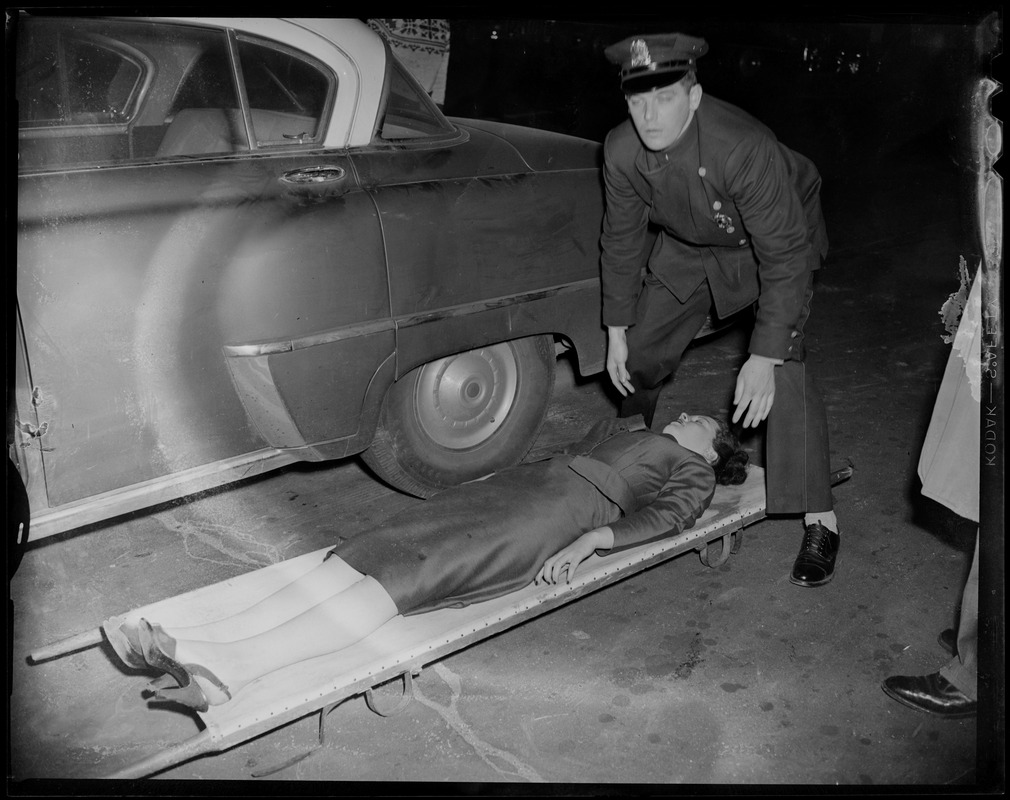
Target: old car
(247, 242)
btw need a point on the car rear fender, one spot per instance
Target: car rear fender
(306, 396)
(570, 311)
(315, 426)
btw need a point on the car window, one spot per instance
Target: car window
(74, 80)
(96, 92)
(287, 93)
(410, 113)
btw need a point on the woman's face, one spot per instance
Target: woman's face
(696, 433)
(662, 114)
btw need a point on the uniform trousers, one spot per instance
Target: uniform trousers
(797, 457)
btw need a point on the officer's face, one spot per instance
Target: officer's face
(662, 114)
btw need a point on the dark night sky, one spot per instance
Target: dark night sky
(839, 91)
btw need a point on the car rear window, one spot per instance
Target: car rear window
(410, 113)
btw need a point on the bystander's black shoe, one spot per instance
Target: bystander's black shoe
(815, 565)
(932, 693)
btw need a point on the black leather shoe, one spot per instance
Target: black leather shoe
(932, 693)
(815, 565)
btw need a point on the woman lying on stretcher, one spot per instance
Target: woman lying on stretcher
(484, 539)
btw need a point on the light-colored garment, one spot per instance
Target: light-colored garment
(949, 461)
(949, 468)
(422, 46)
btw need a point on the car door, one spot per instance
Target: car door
(469, 224)
(179, 226)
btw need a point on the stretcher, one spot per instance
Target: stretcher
(405, 645)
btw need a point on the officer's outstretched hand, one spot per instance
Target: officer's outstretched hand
(567, 560)
(755, 390)
(617, 359)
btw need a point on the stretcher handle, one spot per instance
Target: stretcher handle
(323, 714)
(69, 645)
(195, 746)
(730, 542)
(405, 698)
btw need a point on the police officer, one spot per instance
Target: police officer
(739, 221)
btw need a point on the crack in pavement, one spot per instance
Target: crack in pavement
(452, 717)
(242, 554)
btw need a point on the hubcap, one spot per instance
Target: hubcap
(463, 399)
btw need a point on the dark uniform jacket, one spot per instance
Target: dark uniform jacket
(732, 204)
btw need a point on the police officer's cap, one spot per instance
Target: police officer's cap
(655, 60)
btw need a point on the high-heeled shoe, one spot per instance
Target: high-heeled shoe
(125, 641)
(197, 687)
(192, 695)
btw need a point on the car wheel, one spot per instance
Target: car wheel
(464, 416)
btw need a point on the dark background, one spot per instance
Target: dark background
(854, 92)
(845, 87)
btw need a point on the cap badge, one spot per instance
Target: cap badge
(640, 54)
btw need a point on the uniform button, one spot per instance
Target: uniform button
(743, 241)
(730, 229)
(701, 171)
(716, 205)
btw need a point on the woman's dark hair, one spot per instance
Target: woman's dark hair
(731, 465)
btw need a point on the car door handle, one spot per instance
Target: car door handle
(313, 175)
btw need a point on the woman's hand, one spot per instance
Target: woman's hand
(567, 560)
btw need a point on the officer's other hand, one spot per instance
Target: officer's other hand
(617, 360)
(755, 390)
